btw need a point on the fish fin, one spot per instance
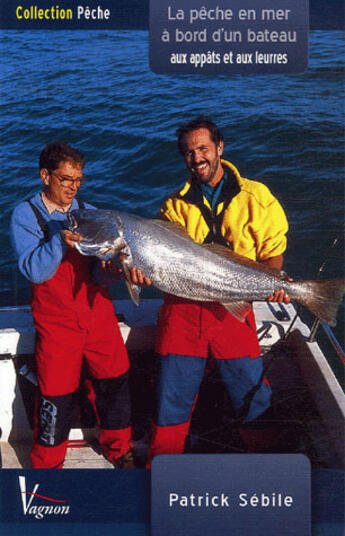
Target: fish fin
(232, 256)
(134, 292)
(127, 263)
(239, 309)
(323, 298)
(173, 226)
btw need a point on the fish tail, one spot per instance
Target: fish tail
(323, 298)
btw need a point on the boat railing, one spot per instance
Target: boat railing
(330, 335)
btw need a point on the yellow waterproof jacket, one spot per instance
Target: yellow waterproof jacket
(247, 218)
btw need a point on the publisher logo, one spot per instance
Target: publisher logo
(37, 505)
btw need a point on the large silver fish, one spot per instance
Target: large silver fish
(177, 265)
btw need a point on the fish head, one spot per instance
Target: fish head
(101, 234)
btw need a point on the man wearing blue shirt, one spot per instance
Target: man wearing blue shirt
(73, 316)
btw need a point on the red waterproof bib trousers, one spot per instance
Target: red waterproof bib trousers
(188, 332)
(75, 320)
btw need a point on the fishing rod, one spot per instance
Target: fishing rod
(332, 338)
(317, 321)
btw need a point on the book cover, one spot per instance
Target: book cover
(115, 79)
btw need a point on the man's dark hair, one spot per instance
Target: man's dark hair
(59, 151)
(199, 122)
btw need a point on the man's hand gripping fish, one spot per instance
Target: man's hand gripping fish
(165, 253)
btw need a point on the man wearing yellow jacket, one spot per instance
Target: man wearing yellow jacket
(215, 205)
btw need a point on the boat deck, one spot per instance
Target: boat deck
(308, 403)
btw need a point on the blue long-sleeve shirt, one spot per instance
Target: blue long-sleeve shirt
(38, 259)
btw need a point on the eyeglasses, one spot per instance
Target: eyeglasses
(69, 182)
